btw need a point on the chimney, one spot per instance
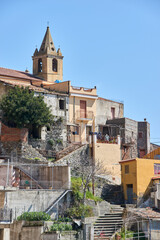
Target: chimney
(145, 119)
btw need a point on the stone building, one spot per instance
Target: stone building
(108, 109)
(135, 136)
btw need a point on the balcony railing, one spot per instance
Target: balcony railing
(106, 139)
(84, 115)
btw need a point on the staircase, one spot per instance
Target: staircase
(72, 147)
(35, 184)
(108, 224)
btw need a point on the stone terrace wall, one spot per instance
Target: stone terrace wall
(74, 157)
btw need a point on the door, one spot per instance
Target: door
(82, 109)
(129, 193)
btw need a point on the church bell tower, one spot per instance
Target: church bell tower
(47, 62)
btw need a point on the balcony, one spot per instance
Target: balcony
(82, 90)
(82, 115)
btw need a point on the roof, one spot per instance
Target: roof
(47, 46)
(155, 178)
(18, 74)
(20, 83)
(129, 160)
(108, 100)
(47, 43)
(146, 213)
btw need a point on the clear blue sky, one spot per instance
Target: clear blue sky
(111, 44)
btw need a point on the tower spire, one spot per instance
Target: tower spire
(47, 62)
(47, 43)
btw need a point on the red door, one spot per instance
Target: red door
(82, 109)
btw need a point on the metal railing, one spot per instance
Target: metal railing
(82, 114)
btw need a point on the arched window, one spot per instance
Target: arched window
(40, 65)
(54, 65)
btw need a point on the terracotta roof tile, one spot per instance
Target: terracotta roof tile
(18, 74)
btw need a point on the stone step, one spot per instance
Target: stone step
(110, 218)
(108, 223)
(106, 229)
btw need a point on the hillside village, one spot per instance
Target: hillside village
(91, 153)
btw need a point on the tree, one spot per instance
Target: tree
(87, 169)
(22, 109)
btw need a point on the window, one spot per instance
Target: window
(112, 113)
(40, 65)
(140, 134)
(156, 168)
(54, 65)
(61, 104)
(126, 168)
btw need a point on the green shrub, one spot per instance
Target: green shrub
(65, 219)
(60, 227)
(34, 216)
(36, 158)
(51, 159)
(60, 141)
(51, 142)
(80, 211)
(124, 234)
(89, 195)
(76, 184)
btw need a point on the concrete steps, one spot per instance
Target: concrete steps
(106, 225)
(72, 147)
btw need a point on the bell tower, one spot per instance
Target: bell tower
(47, 62)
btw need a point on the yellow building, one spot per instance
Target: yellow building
(137, 176)
(82, 112)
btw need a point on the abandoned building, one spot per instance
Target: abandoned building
(135, 136)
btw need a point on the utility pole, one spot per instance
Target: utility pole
(93, 152)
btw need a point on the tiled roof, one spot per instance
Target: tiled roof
(147, 213)
(18, 74)
(108, 100)
(27, 84)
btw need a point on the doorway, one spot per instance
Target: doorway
(129, 193)
(82, 109)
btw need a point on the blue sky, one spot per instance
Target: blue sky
(111, 44)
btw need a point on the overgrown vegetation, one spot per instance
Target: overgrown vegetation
(51, 142)
(61, 227)
(78, 192)
(34, 216)
(131, 234)
(80, 209)
(22, 109)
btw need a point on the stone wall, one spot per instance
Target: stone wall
(143, 137)
(20, 230)
(128, 130)
(65, 235)
(55, 138)
(103, 112)
(74, 157)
